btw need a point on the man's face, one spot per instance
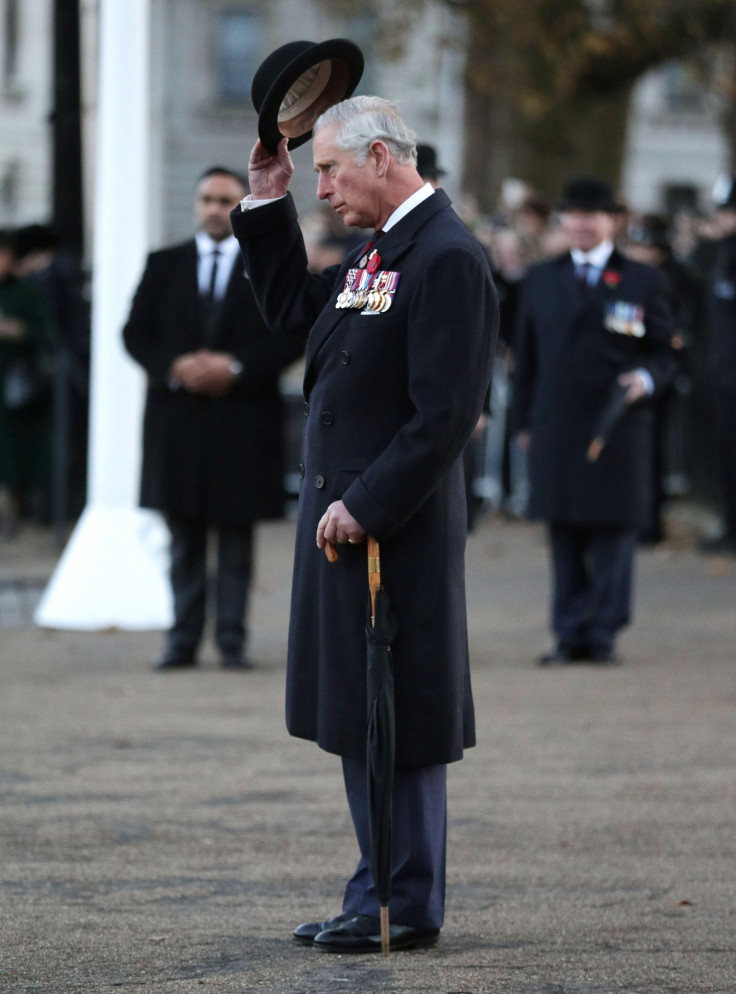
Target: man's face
(350, 190)
(216, 196)
(586, 229)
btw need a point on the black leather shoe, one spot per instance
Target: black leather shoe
(175, 661)
(561, 655)
(236, 661)
(555, 657)
(308, 932)
(362, 934)
(604, 654)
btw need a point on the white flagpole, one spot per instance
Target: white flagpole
(112, 573)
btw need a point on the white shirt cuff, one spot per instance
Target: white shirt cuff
(248, 203)
(647, 380)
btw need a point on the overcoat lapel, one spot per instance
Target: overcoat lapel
(190, 290)
(394, 244)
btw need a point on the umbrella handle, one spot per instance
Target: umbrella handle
(374, 574)
(331, 552)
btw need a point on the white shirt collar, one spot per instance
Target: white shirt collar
(409, 204)
(228, 247)
(597, 256)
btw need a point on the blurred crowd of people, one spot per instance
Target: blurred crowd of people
(524, 229)
(44, 354)
(44, 366)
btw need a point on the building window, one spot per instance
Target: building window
(10, 46)
(239, 48)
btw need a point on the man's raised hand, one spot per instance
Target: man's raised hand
(269, 175)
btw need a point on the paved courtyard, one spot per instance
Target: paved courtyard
(162, 833)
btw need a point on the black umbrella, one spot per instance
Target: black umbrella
(615, 408)
(381, 738)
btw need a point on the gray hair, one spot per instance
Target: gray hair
(362, 120)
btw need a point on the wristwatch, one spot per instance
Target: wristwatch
(236, 368)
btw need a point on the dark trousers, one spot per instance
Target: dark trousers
(592, 584)
(725, 431)
(419, 842)
(189, 584)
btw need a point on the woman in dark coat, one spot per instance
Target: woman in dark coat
(25, 405)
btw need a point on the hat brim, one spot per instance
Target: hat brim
(607, 207)
(346, 68)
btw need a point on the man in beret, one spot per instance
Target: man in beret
(591, 323)
(394, 384)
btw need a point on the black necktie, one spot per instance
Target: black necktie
(213, 279)
(581, 275)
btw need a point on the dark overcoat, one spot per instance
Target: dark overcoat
(219, 460)
(390, 402)
(566, 364)
(722, 314)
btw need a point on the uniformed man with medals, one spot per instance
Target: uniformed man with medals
(399, 346)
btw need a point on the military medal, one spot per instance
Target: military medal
(366, 289)
(382, 288)
(625, 319)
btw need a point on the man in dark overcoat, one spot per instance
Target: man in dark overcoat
(393, 387)
(721, 369)
(213, 423)
(590, 322)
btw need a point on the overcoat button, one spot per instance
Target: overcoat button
(319, 481)
(326, 417)
(301, 470)
(306, 407)
(344, 358)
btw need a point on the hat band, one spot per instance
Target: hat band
(303, 93)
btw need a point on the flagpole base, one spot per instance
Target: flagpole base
(113, 574)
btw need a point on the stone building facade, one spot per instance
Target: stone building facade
(203, 56)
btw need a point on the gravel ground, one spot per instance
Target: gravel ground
(162, 833)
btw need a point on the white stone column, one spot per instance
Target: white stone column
(112, 573)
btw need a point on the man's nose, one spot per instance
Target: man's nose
(323, 187)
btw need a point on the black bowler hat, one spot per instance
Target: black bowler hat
(300, 81)
(427, 162)
(589, 194)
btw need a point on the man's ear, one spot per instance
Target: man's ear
(381, 156)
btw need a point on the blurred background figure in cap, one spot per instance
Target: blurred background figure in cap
(648, 240)
(427, 166)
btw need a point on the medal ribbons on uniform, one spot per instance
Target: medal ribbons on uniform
(625, 319)
(368, 291)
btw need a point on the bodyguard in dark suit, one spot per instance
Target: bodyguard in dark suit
(589, 322)
(213, 424)
(393, 387)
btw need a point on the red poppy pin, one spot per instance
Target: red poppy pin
(611, 278)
